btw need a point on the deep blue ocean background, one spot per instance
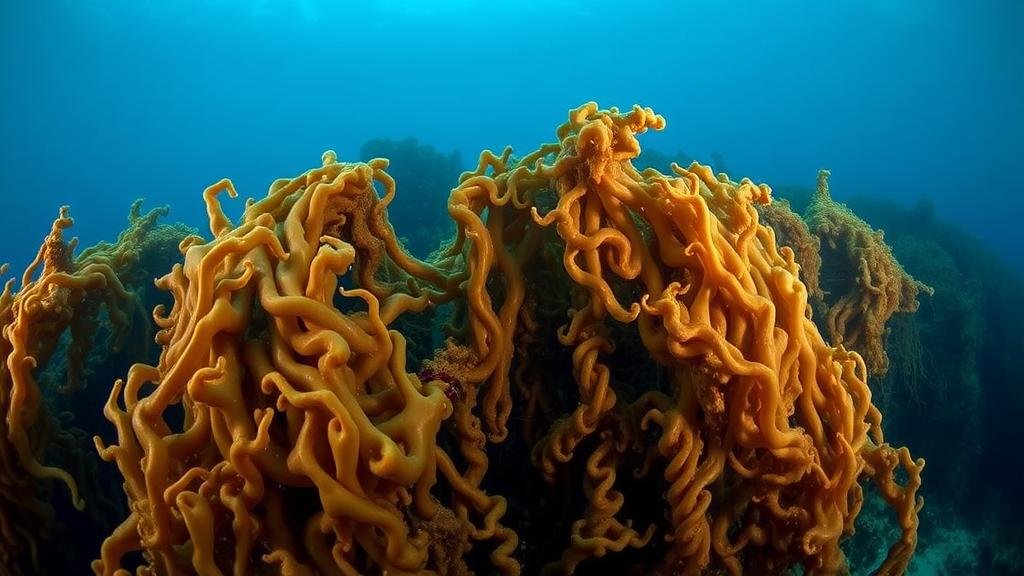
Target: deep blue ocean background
(105, 101)
(916, 107)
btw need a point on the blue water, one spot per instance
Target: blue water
(917, 102)
(105, 101)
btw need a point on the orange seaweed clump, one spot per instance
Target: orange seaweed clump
(765, 429)
(59, 292)
(303, 441)
(858, 312)
(791, 233)
(281, 429)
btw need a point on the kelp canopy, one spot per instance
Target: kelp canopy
(613, 334)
